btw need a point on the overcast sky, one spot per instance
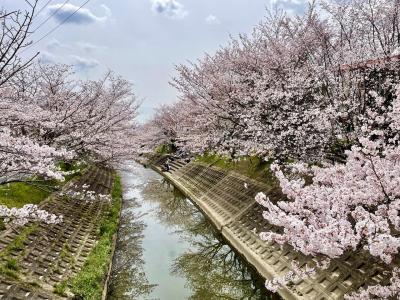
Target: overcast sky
(141, 40)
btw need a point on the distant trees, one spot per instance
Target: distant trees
(320, 90)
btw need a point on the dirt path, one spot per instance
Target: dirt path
(46, 255)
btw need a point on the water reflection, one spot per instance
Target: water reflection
(128, 280)
(198, 264)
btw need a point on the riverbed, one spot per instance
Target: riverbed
(167, 250)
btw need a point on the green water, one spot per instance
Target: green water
(167, 250)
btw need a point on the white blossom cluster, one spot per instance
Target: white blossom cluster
(83, 193)
(391, 291)
(296, 274)
(352, 206)
(29, 212)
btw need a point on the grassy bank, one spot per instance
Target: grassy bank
(34, 191)
(250, 166)
(20, 193)
(88, 283)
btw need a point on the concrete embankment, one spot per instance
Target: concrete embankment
(227, 199)
(47, 256)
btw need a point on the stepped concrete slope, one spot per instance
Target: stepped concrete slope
(54, 253)
(227, 199)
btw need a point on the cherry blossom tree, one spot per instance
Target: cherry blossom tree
(21, 155)
(48, 116)
(93, 119)
(352, 206)
(264, 94)
(285, 90)
(320, 90)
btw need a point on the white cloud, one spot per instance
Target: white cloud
(169, 8)
(84, 64)
(107, 10)
(212, 20)
(292, 7)
(88, 47)
(61, 12)
(53, 44)
(46, 58)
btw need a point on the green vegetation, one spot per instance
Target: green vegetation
(8, 272)
(2, 225)
(18, 243)
(66, 254)
(61, 288)
(338, 148)
(165, 149)
(77, 167)
(9, 266)
(250, 166)
(88, 283)
(12, 264)
(17, 194)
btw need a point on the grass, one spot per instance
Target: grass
(66, 254)
(88, 283)
(61, 288)
(250, 166)
(8, 272)
(18, 243)
(72, 167)
(9, 266)
(17, 194)
(12, 264)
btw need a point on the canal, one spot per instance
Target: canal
(166, 249)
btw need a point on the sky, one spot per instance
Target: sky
(141, 40)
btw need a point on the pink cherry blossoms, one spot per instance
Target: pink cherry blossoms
(29, 212)
(391, 291)
(21, 156)
(319, 95)
(49, 117)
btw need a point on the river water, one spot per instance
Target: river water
(167, 250)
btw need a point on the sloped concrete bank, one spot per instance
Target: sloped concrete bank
(48, 256)
(227, 199)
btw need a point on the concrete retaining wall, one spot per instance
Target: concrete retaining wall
(227, 199)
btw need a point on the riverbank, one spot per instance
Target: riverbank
(168, 250)
(227, 199)
(71, 258)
